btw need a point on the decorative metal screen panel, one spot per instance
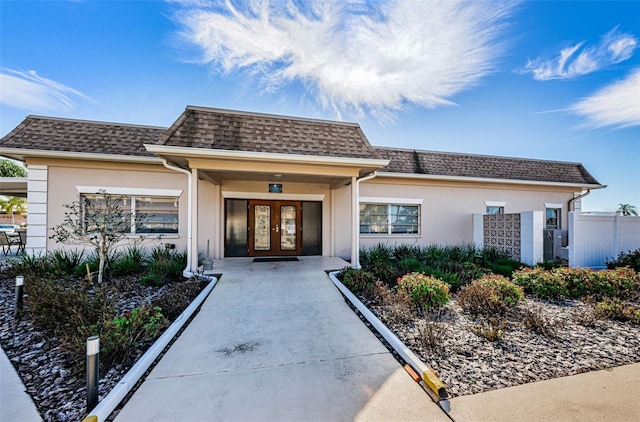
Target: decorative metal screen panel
(502, 232)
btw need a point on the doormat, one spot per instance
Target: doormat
(276, 259)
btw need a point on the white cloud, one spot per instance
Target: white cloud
(580, 59)
(354, 55)
(617, 105)
(27, 90)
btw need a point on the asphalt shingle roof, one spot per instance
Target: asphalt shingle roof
(481, 166)
(55, 134)
(237, 131)
(208, 128)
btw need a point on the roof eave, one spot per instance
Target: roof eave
(261, 156)
(382, 174)
(21, 154)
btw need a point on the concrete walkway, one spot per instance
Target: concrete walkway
(612, 395)
(15, 403)
(276, 341)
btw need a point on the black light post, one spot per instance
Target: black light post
(19, 294)
(93, 374)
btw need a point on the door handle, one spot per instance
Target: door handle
(277, 229)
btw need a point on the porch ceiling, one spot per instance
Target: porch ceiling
(220, 165)
(13, 186)
(218, 176)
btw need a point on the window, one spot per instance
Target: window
(389, 219)
(141, 214)
(552, 220)
(156, 214)
(495, 210)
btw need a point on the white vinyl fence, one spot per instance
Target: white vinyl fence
(596, 239)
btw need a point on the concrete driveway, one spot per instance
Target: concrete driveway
(276, 341)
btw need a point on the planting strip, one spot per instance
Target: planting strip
(428, 375)
(102, 411)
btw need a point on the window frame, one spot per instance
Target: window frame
(499, 209)
(558, 218)
(390, 216)
(131, 195)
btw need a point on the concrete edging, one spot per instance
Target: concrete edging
(106, 406)
(429, 378)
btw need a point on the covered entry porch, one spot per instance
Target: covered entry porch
(266, 204)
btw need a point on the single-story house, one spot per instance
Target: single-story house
(249, 184)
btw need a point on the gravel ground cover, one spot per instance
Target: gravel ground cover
(571, 341)
(536, 340)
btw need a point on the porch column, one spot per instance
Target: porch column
(355, 229)
(37, 199)
(194, 220)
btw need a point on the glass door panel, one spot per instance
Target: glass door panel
(236, 239)
(288, 228)
(262, 228)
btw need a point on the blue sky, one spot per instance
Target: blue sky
(543, 79)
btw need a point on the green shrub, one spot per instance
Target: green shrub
(123, 337)
(93, 261)
(64, 262)
(450, 278)
(177, 297)
(505, 266)
(618, 310)
(490, 295)
(131, 261)
(379, 254)
(358, 281)
(165, 266)
(541, 283)
(426, 292)
(549, 265)
(411, 265)
(629, 259)
(62, 308)
(29, 265)
(506, 290)
(404, 251)
(576, 282)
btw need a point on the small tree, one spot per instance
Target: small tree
(13, 205)
(99, 221)
(10, 169)
(627, 209)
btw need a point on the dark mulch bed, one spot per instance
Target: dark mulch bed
(53, 377)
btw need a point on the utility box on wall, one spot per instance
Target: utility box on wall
(554, 241)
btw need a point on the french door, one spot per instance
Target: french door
(274, 228)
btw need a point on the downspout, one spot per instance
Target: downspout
(187, 271)
(571, 205)
(356, 219)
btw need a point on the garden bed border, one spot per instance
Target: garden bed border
(429, 379)
(107, 405)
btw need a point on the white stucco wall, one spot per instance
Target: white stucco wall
(64, 177)
(448, 207)
(342, 222)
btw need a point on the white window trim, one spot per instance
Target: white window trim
(169, 193)
(391, 201)
(130, 191)
(553, 205)
(495, 203)
(388, 202)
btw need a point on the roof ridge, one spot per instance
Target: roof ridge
(269, 116)
(96, 122)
